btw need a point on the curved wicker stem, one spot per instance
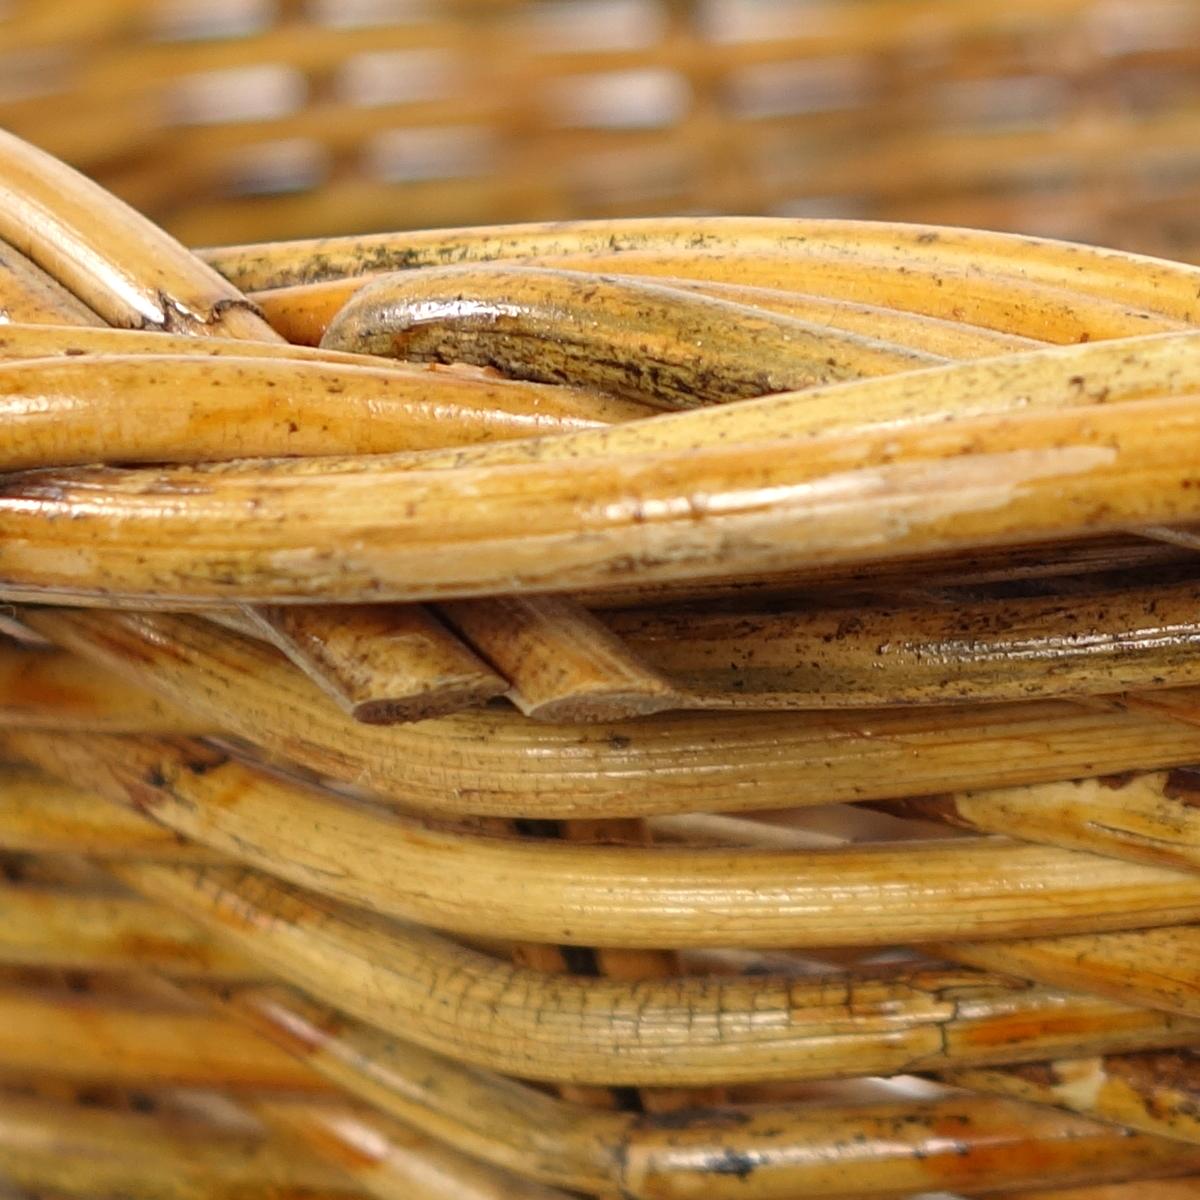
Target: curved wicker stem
(842, 259)
(115, 260)
(303, 313)
(133, 274)
(494, 763)
(568, 1029)
(1003, 649)
(631, 338)
(379, 532)
(796, 1150)
(110, 408)
(985, 1150)
(43, 815)
(620, 896)
(244, 408)
(1055, 378)
(51, 334)
(27, 293)
(391, 874)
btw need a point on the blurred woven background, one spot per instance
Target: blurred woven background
(233, 120)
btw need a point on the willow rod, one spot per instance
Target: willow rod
(383, 533)
(1066, 292)
(302, 314)
(620, 896)
(570, 1029)
(109, 408)
(633, 339)
(1084, 643)
(496, 763)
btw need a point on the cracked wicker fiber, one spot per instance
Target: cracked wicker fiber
(644, 709)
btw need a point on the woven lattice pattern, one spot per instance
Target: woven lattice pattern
(643, 709)
(235, 120)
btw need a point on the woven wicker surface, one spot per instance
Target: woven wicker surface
(782, 798)
(254, 119)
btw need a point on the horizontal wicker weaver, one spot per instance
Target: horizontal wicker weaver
(253, 119)
(645, 709)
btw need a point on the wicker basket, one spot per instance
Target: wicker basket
(253, 119)
(778, 799)
(784, 799)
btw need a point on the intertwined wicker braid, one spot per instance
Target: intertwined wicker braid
(366, 817)
(255, 119)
